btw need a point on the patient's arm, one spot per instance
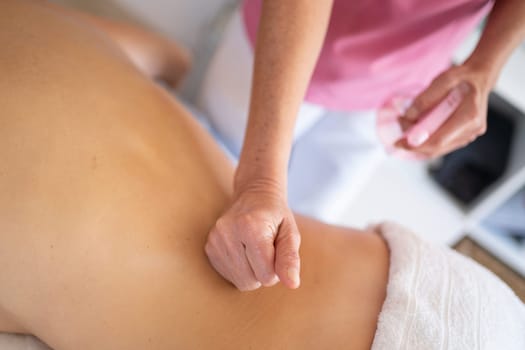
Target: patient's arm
(155, 55)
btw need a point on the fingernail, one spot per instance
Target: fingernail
(417, 139)
(293, 275)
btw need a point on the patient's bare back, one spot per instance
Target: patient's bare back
(108, 189)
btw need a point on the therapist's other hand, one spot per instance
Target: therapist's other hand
(256, 241)
(467, 121)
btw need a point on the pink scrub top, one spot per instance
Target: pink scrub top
(375, 49)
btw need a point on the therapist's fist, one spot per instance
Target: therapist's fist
(256, 242)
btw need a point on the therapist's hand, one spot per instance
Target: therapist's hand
(256, 241)
(467, 121)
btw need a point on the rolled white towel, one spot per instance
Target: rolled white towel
(439, 299)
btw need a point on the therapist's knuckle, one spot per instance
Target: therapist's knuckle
(265, 273)
(209, 249)
(482, 129)
(239, 284)
(231, 250)
(267, 278)
(477, 123)
(213, 238)
(222, 226)
(248, 222)
(242, 280)
(263, 267)
(261, 239)
(234, 276)
(258, 229)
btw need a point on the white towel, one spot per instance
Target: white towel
(438, 299)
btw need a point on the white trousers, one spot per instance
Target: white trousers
(333, 152)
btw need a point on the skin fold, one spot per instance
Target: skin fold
(108, 189)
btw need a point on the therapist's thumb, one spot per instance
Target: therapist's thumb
(287, 261)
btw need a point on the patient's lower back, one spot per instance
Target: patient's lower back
(109, 190)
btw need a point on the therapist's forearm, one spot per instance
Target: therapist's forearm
(504, 31)
(289, 40)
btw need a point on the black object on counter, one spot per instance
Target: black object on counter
(466, 172)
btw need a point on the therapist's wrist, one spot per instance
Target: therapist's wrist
(487, 73)
(258, 175)
(260, 171)
(486, 65)
(262, 183)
